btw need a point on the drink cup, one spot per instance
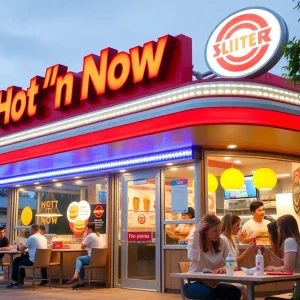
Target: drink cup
(136, 204)
(146, 201)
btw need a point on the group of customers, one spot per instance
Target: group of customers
(212, 241)
(37, 240)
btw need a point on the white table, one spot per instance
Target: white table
(240, 277)
(11, 254)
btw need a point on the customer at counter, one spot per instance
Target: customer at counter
(92, 240)
(289, 247)
(35, 241)
(257, 226)
(207, 250)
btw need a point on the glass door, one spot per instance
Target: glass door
(140, 231)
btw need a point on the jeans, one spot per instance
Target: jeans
(199, 290)
(81, 260)
(1, 261)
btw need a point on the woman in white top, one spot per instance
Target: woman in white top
(92, 240)
(231, 224)
(231, 227)
(289, 248)
(207, 250)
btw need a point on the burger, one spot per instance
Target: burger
(262, 236)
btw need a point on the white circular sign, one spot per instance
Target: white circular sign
(78, 210)
(246, 44)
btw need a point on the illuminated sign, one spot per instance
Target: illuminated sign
(101, 76)
(247, 43)
(26, 215)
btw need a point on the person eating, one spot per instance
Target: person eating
(257, 226)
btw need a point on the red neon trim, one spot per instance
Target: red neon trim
(201, 116)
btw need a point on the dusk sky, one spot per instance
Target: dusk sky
(36, 34)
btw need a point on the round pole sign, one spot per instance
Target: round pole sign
(247, 43)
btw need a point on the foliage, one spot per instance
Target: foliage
(292, 54)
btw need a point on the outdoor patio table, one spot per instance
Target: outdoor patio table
(11, 254)
(249, 280)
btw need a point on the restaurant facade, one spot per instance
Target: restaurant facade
(132, 141)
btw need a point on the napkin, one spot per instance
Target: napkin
(249, 271)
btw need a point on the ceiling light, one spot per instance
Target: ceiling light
(227, 157)
(283, 175)
(78, 181)
(253, 172)
(76, 177)
(58, 184)
(22, 190)
(237, 162)
(54, 180)
(173, 169)
(232, 146)
(17, 185)
(38, 187)
(122, 171)
(191, 167)
(36, 183)
(169, 164)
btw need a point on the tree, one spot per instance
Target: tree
(292, 54)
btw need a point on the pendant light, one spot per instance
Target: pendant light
(212, 183)
(232, 179)
(264, 179)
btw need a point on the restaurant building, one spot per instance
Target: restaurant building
(132, 141)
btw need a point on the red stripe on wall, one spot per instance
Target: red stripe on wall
(201, 116)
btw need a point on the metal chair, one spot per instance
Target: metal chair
(41, 261)
(98, 261)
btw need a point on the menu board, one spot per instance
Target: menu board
(98, 216)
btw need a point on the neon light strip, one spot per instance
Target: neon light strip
(185, 153)
(180, 94)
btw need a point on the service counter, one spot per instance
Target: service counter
(173, 256)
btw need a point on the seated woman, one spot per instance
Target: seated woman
(273, 234)
(92, 240)
(207, 250)
(231, 226)
(289, 248)
(183, 230)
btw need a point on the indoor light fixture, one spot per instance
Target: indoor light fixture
(38, 187)
(36, 183)
(174, 169)
(232, 179)
(159, 157)
(232, 146)
(237, 162)
(58, 184)
(49, 207)
(227, 158)
(282, 175)
(212, 183)
(78, 181)
(122, 171)
(191, 167)
(201, 89)
(264, 179)
(169, 164)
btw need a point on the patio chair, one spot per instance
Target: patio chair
(98, 261)
(4, 264)
(183, 267)
(41, 261)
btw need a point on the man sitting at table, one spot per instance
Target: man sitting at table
(35, 241)
(4, 245)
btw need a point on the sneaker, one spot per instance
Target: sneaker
(12, 285)
(43, 282)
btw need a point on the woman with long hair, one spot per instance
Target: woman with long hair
(273, 234)
(288, 247)
(92, 240)
(206, 249)
(231, 226)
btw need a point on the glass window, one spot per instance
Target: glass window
(50, 204)
(234, 181)
(179, 204)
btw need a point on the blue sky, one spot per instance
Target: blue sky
(35, 34)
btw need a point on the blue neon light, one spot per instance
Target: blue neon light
(185, 153)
